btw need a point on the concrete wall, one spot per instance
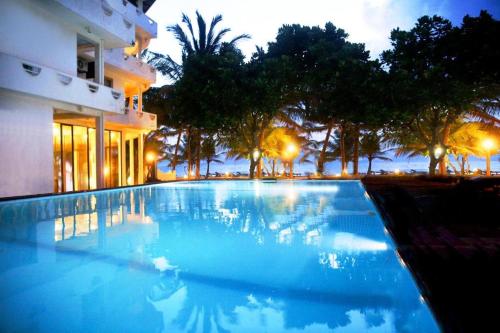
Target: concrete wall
(32, 34)
(26, 151)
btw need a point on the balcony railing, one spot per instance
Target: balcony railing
(130, 64)
(34, 79)
(96, 17)
(134, 118)
(140, 19)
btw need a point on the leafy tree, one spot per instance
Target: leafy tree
(429, 66)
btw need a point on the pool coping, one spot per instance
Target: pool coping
(422, 287)
(55, 195)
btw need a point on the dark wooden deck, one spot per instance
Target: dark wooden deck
(448, 232)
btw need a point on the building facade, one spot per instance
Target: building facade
(71, 85)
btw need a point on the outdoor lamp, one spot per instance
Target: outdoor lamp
(489, 146)
(291, 148)
(256, 154)
(150, 157)
(438, 152)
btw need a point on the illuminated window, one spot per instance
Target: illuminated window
(75, 158)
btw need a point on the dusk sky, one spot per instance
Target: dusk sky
(367, 21)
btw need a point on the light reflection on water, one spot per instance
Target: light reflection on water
(205, 257)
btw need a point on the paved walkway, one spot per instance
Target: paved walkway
(448, 232)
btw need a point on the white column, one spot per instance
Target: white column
(99, 137)
(131, 161)
(99, 63)
(139, 99)
(141, 159)
(123, 160)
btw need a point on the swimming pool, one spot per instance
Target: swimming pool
(218, 256)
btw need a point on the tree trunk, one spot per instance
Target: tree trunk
(188, 151)
(198, 154)
(355, 155)
(274, 167)
(343, 163)
(251, 170)
(290, 165)
(208, 168)
(433, 162)
(174, 159)
(259, 147)
(369, 171)
(321, 159)
(443, 161)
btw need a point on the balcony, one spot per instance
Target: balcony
(131, 65)
(95, 17)
(134, 119)
(137, 17)
(33, 79)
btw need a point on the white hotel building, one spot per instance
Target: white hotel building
(71, 84)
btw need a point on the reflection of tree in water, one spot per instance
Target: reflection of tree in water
(373, 318)
(116, 307)
(208, 307)
(192, 224)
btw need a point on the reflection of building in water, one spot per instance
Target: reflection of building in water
(105, 221)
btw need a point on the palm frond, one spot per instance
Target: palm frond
(202, 32)
(181, 36)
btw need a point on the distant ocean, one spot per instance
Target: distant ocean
(403, 164)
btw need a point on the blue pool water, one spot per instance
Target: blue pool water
(227, 256)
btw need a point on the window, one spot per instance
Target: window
(75, 158)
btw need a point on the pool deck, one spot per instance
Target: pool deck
(448, 233)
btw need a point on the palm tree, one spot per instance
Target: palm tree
(371, 148)
(207, 42)
(209, 153)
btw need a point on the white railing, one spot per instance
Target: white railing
(34, 79)
(130, 64)
(134, 14)
(134, 118)
(100, 16)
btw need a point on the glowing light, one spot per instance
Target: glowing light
(106, 170)
(227, 174)
(397, 171)
(291, 151)
(129, 180)
(185, 176)
(488, 144)
(192, 173)
(438, 151)
(337, 175)
(291, 148)
(55, 130)
(256, 154)
(150, 157)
